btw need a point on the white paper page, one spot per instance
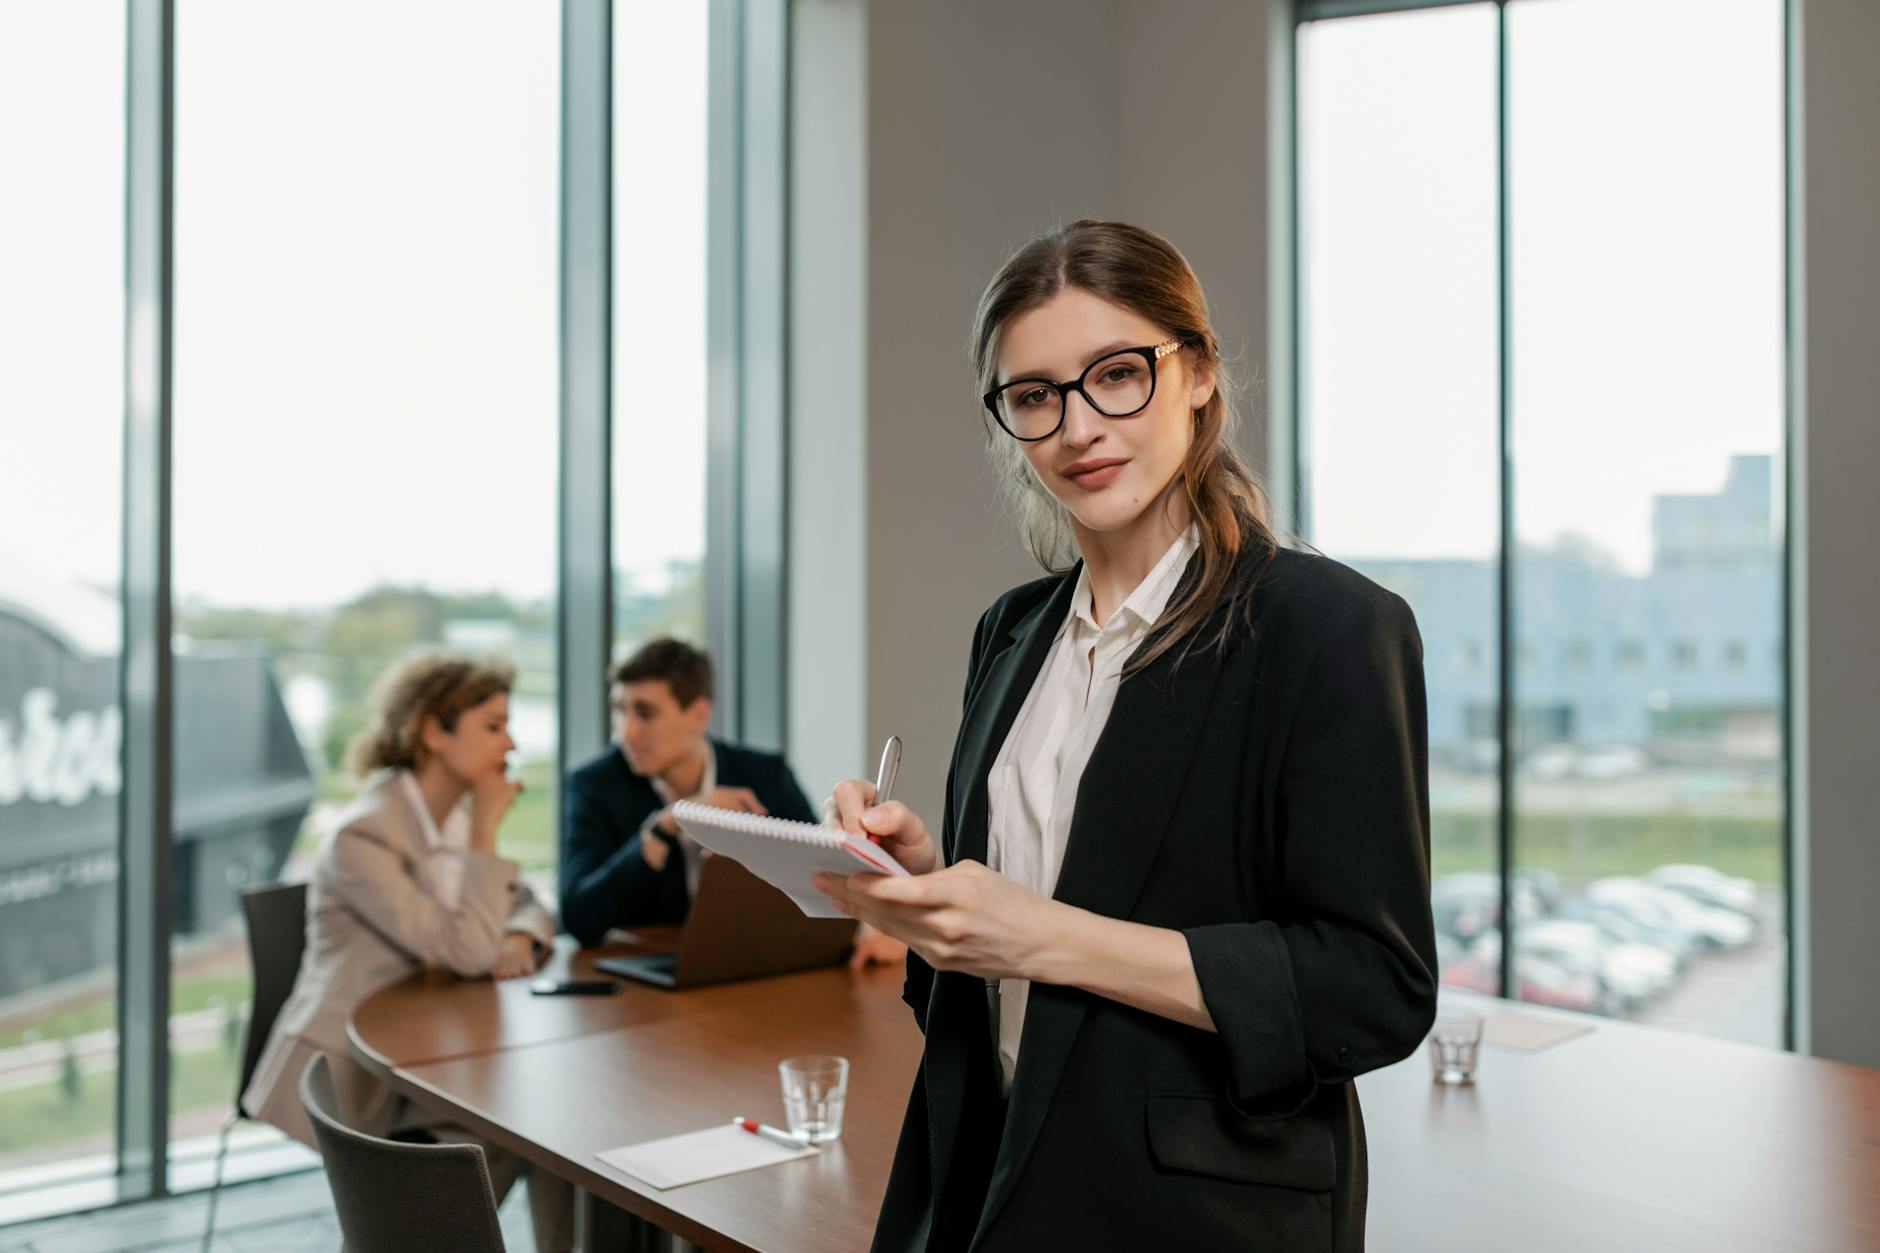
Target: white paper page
(700, 1155)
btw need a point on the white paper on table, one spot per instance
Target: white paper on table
(1529, 1033)
(700, 1155)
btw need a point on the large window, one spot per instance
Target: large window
(365, 430)
(61, 441)
(1400, 454)
(660, 380)
(1623, 161)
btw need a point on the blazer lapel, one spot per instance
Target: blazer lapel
(989, 715)
(1124, 802)
(959, 1061)
(388, 814)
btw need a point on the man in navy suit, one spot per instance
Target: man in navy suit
(624, 861)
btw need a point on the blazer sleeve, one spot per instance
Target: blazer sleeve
(1346, 981)
(376, 883)
(605, 883)
(528, 916)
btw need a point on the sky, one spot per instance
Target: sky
(1646, 268)
(366, 300)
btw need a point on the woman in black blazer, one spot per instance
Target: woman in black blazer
(1240, 921)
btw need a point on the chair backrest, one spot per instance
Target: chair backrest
(277, 938)
(393, 1197)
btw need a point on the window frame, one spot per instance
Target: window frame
(746, 505)
(1291, 449)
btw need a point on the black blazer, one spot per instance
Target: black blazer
(603, 879)
(1267, 798)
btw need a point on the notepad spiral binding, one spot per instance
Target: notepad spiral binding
(756, 824)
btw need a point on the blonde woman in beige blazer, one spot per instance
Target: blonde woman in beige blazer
(410, 879)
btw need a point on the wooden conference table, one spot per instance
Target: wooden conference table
(1625, 1138)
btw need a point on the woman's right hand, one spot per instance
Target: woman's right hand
(490, 798)
(894, 826)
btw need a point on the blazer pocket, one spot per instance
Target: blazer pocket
(1203, 1135)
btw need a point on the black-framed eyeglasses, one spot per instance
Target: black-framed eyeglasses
(1119, 385)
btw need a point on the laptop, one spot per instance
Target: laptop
(739, 928)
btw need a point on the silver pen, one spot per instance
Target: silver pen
(890, 763)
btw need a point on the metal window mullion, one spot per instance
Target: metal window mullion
(1506, 708)
(723, 356)
(761, 207)
(584, 620)
(1286, 390)
(146, 671)
(1795, 1034)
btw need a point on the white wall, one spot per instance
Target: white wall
(987, 123)
(1199, 133)
(824, 636)
(1837, 519)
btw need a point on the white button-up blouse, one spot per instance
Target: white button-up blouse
(1032, 789)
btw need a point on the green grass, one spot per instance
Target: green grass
(97, 1015)
(40, 1116)
(1591, 846)
(528, 831)
(186, 995)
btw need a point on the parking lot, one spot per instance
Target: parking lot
(1732, 995)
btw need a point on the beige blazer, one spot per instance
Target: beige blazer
(372, 921)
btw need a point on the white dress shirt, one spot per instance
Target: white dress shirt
(443, 869)
(1032, 789)
(691, 854)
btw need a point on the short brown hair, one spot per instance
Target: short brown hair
(683, 668)
(427, 685)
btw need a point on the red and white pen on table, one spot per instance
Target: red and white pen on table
(769, 1132)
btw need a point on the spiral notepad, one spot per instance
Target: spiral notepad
(784, 853)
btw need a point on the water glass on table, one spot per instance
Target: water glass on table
(814, 1090)
(1455, 1046)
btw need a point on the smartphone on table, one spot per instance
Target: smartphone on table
(574, 987)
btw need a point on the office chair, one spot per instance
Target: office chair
(276, 914)
(393, 1196)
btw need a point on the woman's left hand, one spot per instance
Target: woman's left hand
(516, 959)
(965, 918)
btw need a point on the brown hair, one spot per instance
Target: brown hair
(685, 669)
(428, 685)
(1142, 272)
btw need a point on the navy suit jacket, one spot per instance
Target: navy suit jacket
(604, 881)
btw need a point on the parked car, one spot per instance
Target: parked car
(1636, 972)
(1449, 950)
(1541, 980)
(1709, 886)
(1628, 926)
(1613, 761)
(1545, 886)
(1468, 904)
(1719, 928)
